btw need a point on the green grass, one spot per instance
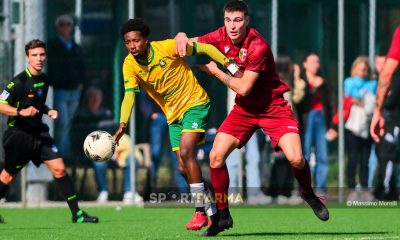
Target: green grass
(169, 223)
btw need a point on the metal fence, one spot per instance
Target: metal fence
(5, 75)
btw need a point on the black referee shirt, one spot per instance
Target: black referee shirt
(23, 91)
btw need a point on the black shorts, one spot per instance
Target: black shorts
(21, 147)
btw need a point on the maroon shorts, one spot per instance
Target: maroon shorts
(276, 122)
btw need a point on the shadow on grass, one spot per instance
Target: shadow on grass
(298, 234)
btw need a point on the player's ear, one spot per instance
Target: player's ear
(247, 19)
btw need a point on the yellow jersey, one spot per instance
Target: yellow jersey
(167, 79)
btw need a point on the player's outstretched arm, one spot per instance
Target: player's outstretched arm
(384, 83)
(126, 110)
(241, 84)
(195, 48)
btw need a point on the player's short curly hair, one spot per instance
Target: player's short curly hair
(236, 5)
(135, 24)
(35, 43)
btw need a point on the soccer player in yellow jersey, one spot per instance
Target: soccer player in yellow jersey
(167, 78)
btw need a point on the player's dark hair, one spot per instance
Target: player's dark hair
(35, 43)
(135, 24)
(236, 5)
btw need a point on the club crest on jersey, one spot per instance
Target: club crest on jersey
(195, 125)
(40, 92)
(243, 54)
(162, 63)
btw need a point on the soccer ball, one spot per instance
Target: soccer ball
(99, 146)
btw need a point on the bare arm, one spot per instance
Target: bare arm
(8, 110)
(240, 84)
(385, 81)
(13, 111)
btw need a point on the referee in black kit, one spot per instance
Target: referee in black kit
(27, 137)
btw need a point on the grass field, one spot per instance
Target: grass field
(168, 223)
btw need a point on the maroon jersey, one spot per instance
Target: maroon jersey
(252, 54)
(394, 51)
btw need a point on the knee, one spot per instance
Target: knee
(186, 154)
(296, 160)
(217, 159)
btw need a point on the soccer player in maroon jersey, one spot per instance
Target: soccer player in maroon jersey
(384, 83)
(259, 104)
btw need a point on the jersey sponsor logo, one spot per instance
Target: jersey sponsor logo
(226, 48)
(243, 54)
(4, 95)
(31, 95)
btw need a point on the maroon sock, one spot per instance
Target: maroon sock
(220, 183)
(303, 177)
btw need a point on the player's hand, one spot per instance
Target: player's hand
(28, 112)
(53, 114)
(377, 126)
(181, 40)
(115, 155)
(120, 132)
(211, 68)
(331, 134)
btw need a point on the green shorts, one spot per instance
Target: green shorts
(194, 120)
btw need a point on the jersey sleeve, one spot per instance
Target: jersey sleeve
(394, 51)
(130, 77)
(131, 86)
(207, 49)
(256, 59)
(9, 94)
